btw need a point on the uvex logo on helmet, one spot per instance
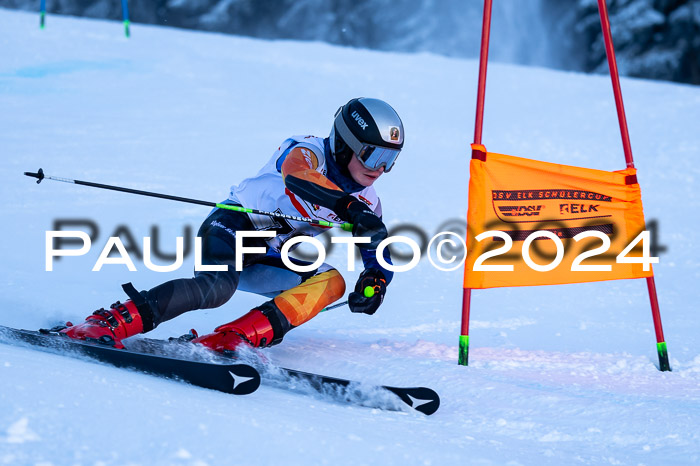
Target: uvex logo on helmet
(360, 121)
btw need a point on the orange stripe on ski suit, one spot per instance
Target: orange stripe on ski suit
(301, 163)
(301, 303)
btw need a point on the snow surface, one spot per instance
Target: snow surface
(557, 375)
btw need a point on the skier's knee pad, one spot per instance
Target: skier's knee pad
(304, 301)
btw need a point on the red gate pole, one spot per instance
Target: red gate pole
(483, 63)
(627, 147)
(463, 358)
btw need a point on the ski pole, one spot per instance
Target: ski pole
(333, 306)
(41, 176)
(125, 15)
(42, 14)
(369, 292)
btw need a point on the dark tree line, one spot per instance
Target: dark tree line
(658, 39)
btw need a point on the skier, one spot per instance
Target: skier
(324, 178)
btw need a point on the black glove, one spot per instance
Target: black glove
(364, 222)
(359, 301)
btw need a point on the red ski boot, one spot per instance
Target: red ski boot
(261, 327)
(110, 326)
(121, 320)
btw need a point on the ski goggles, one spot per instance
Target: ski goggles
(375, 157)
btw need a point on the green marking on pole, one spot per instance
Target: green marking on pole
(234, 208)
(664, 365)
(325, 223)
(42, 13)
(463, 356)
(126, 28)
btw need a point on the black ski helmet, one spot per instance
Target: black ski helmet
(362, 125)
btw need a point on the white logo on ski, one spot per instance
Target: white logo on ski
(414, 400)
(239, 380)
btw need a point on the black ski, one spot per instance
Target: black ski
(229, 377)
(422, 399)
(198, 366)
